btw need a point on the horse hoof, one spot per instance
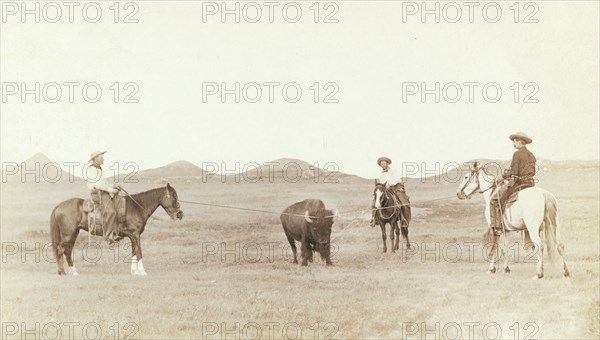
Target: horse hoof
(491, 271)
(507, 270)
(567, 275)
(537, 277)
(141, 273)
(61, 272)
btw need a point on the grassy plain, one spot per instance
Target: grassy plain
(224, 273)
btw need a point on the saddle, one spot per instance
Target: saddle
(514, 194)
(91, 206)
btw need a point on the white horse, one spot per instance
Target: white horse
(535, 212)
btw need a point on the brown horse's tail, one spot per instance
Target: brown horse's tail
(551, 226)
(54, 234)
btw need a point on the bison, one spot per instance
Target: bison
(310, 223)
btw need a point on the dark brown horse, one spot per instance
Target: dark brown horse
(69, 217)
(389, 211)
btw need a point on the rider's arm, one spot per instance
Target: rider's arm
(96, 180)
(514, 167)
(531, 162)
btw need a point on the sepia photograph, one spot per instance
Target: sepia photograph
(304, 169)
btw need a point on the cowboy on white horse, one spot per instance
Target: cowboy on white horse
(392, 178)
(519, 176)
(103, 195)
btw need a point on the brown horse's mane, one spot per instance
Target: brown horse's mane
(147, 198)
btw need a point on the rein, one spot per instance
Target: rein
(490, 188)
(475, 174)
(133, 199)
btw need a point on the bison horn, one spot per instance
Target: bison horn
(307, 218)
(335, 214)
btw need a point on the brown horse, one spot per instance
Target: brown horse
(389, 211)
(68, 218)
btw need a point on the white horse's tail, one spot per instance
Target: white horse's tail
(551, 225)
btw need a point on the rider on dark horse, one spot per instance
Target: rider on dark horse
(103, 195)
(392, 179)
(519, 176)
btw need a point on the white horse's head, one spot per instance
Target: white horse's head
(470, 184)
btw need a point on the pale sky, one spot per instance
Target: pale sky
(369, 54)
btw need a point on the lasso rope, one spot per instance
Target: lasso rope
(299, 215)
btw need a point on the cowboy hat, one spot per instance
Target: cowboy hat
(96, 154)
(522, 136)
(389, 161)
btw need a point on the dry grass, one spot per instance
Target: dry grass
(197, 289)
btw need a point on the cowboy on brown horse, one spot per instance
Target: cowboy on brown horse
(392, 179)
(519, 176)
(104, 196)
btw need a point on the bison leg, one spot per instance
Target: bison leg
(292, 245)
(310, 249)
(325, 251)
(304, 252)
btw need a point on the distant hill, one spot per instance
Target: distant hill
(295, 170)
(41, 169)
(36, 169)
(277, 171)
(176, 171)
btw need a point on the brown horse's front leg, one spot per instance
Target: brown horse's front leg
(383, 236)
(392, 238)
(137, 266)
(59, 258)
(397, 241)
